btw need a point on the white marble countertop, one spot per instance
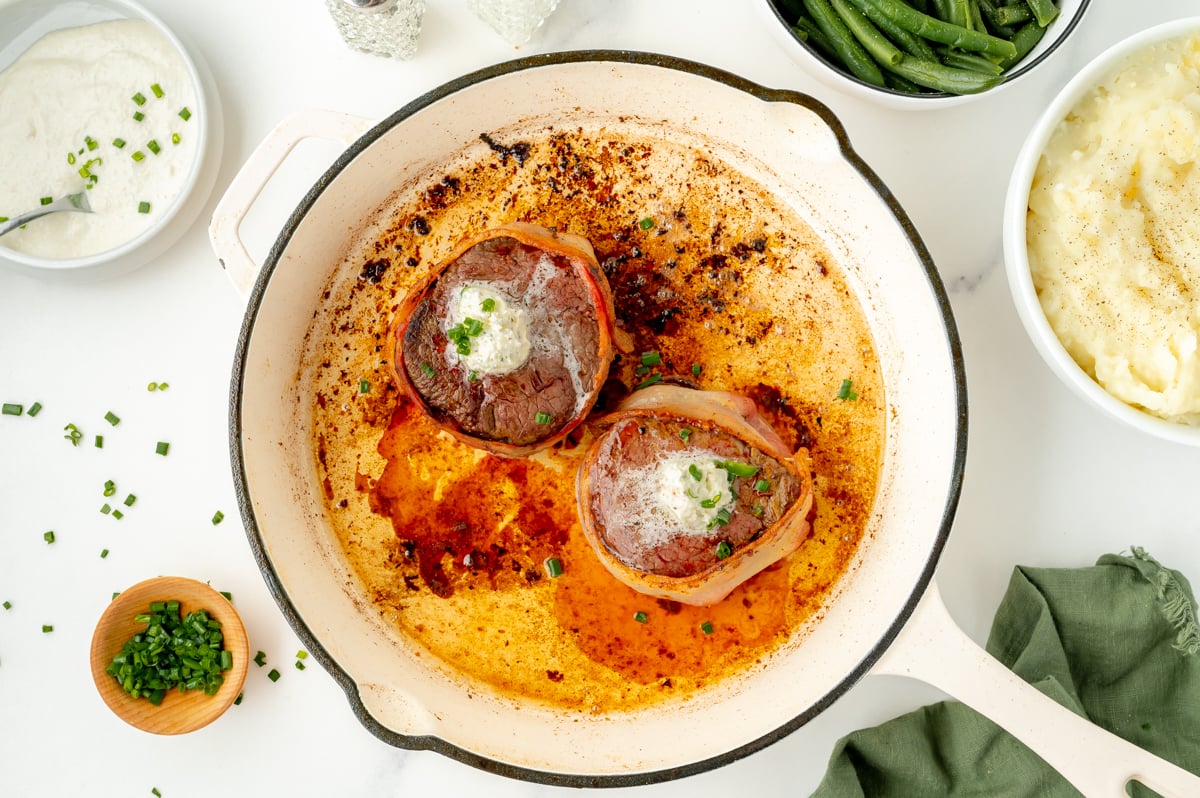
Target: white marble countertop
(1049, 481)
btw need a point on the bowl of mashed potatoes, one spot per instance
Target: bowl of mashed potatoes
(1102, 232)
(112, 104)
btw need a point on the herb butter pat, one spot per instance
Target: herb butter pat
(499, 340)
(692, 489)
(102, 110)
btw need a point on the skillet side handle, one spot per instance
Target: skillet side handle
(224, 229)
(933, 649)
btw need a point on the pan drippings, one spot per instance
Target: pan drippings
(730, 289)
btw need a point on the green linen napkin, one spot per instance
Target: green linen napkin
(1115, 642)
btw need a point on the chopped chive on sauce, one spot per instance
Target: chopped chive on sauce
(364, 386)
(46, 200)
(737, 468)
(143, 207)
(139, 98)
(723, 517)
(119, 143)
(642, 371)
(553, 567)
(541, 418)
(762, 486)
(473, 376)
(34, 409)
(273, 675)
(73, 434)
(162, 447)
(153, 146)
(695, 369)
(653, 379)
(487, 305)
(218, 517)
(640, 617)
(260, 658)
(112, 418)
(685, 433)
(706, 627)
(11, 409)
(757, 510)
(428, 369)
(138, 155)
(48, 536)
(651, 358)
(138, 116)
(724, 550)
(99, 441)
(646, 223)
(846, 392)
(185, 114)
(694, 470)
(158, 92)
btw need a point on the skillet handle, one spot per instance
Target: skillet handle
(933, 649)
(224, 229)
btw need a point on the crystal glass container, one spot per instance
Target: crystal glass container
(514, 20)
(388, 28)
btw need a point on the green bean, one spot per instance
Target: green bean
(936, 30)
(976, 16)
(941, 9)
(809, 32)
(960, 13)
(995, 27)
(1013, 14)
(920, 5)
(908, 42)
(1044, 11)
(875, 43)
(1025, 39)
(937, 76)
(851, 53)
(905, 85)
(975, 63)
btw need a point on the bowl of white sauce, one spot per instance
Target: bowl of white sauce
(1102, 232)
(108, 101)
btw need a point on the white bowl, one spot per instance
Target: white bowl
(1016, 257)
(22, 23)
(815, 64)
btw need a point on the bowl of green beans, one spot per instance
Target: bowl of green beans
(922, 53)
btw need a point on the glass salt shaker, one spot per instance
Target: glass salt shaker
(387, 28)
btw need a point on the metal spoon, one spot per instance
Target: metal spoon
(71, 202)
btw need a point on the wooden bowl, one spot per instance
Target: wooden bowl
(178, 713)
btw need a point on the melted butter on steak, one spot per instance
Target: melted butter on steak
(636, 523)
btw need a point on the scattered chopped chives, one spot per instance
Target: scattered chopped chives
(99, 441)
(301, 654)
(161, 448)
(299, 665)
(103, 553)
(651, 358)
(694, 470)
(139, 98)
(695, 369)
(706, 627)
(158, 92)
(757, 510)
(364, 386)
(153, 386)
(847, 391)
(641, 371)
(3, 218)
(724, 550)
(154, 791)
(10, 409)
(646, 223)
(541, 418)
(117, 514)
(238, 700)
(487, 305)
(153, 146)
(34, 409)
(640, 617)
(185, 114)
(7, 605)
(708, 504)
(84, 172)
(46, 200)
(685, 433)
(110, 487)
(129, 500)
(175, 139)
(47, 628)
(228, 596)
(653, 379)
(738, 468)
(723, 517)
(71, 158)
(260, 658)
(73, 434)
(762, 486)
(472, 377)
(143, 207)
(553, 567)
(138, 116)
(138, 155)
(119, 143)
(428, 369)
(273, 675)
(49, 536)
(218, 517)
(105, 508)
(112, 418)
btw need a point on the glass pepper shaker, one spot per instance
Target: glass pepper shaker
(387, 28)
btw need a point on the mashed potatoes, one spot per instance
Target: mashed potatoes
(1114, 231)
